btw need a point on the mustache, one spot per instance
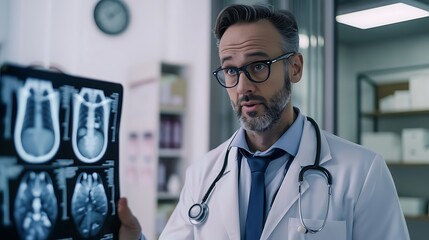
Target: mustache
(249, 97)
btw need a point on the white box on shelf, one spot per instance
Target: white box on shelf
(388, 144)
(387, 104)
(412, 206)
(402, 100)
(415, 145)
(419, 88)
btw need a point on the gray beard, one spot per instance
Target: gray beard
(274, 109)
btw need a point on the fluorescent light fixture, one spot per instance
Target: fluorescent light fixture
(383, 15)
(304, 41)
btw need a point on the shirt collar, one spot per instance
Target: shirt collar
(288, 142)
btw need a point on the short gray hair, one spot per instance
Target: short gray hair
(283, 21)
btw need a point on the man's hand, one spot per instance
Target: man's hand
(130, 227)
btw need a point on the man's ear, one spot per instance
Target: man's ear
(296, 64)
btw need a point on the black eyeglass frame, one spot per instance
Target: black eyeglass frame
(243, 69)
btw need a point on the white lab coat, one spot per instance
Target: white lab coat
(364, 203)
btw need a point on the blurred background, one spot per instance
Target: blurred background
(369, 86)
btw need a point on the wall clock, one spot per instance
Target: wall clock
(111, 16)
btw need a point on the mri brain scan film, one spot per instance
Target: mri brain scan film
(90, 124)
(37, 133)
(35, 210)
(59, 155)
(89, 204)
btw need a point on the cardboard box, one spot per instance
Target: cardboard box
(387, 104)
(415, 145)
(412, 206)
(419, 88)
(402, 100)
(388, 144)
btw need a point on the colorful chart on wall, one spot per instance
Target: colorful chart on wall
(59, 155)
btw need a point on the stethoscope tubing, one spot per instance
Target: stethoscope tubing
(328, 177)
(306, 228)
(198, 212)
(202, 208)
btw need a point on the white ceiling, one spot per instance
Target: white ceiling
(350, 35)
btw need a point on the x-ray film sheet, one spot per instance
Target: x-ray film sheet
(59, 155)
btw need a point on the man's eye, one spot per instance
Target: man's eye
(231, 71)
(258, 67)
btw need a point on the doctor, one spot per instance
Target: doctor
(349, 194)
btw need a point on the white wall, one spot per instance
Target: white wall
(63, 34)
(354, 59)
(4, 26)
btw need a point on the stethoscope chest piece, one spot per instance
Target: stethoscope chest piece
(302, 229)
(198, 213)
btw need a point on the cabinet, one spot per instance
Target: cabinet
(156, 153)
(387, 102)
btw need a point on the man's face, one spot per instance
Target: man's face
(257, 105)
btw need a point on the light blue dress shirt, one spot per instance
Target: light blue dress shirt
(275, 173)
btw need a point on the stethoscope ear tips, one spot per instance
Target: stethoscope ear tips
(198, 213)
(302, 229)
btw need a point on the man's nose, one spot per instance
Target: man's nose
(245, 85)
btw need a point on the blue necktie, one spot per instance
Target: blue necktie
(256, 208)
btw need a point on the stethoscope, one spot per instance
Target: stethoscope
(199, 212)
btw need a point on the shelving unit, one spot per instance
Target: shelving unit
(372, 86)
(156, 151)
(408, 177)
(410, 180)
(171, 144)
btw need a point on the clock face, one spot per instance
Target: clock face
(111, 16)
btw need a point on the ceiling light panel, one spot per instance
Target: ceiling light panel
(380, 16)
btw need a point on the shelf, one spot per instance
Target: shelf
(395, 113)
(424, 218)
(166, 196)
(410, 164)
(170, 153)
(172, 110)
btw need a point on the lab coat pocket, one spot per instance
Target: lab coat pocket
(332, 230)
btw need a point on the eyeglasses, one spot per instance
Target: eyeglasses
(257, 72)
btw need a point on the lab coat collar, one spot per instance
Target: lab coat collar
(227, 193)
(288, 192)
(307, 149)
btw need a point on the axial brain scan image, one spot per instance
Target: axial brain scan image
(89, 204)
(35, 209)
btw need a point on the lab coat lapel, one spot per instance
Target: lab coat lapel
(288, 193)
(226, 197)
